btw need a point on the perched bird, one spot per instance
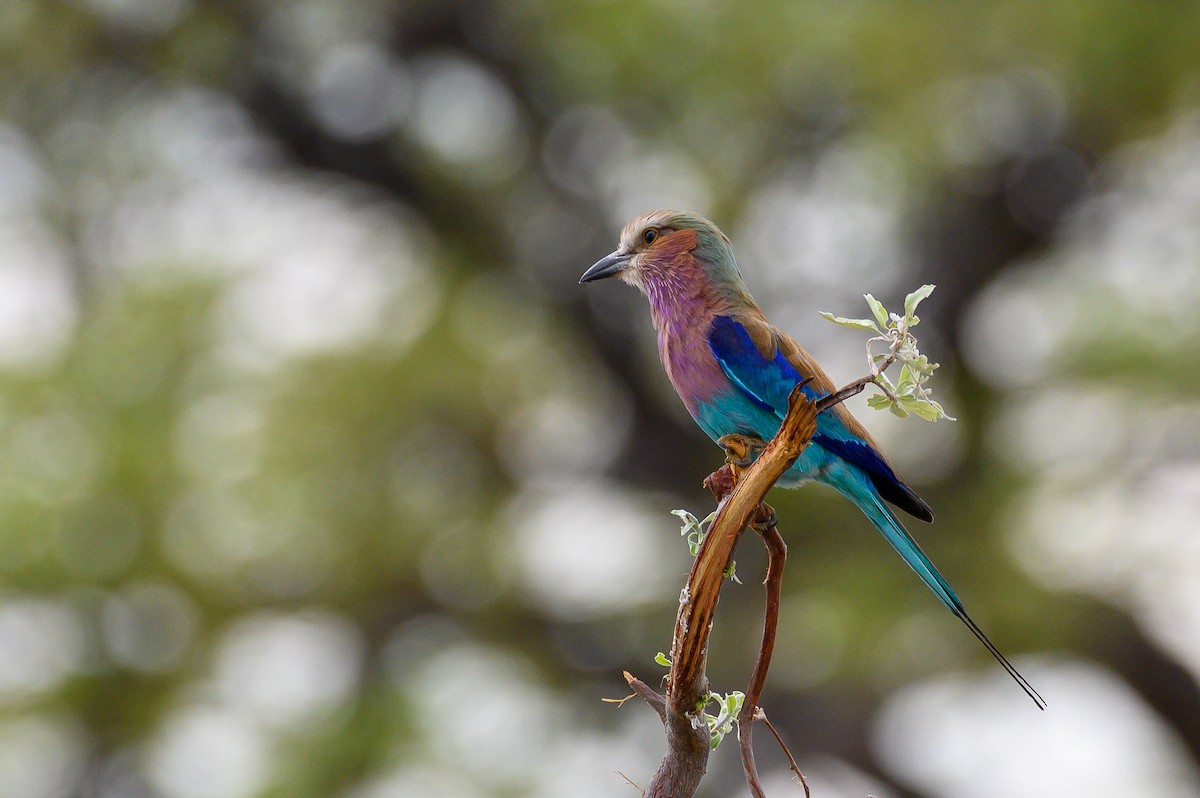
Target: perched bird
(734, 373)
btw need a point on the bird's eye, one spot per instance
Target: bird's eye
(650, 235)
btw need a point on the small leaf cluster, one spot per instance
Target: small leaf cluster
(909, 395)
(720, 724)
(728, 707)
(695, 531)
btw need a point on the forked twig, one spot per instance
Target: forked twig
(739, 491)
(687, 693)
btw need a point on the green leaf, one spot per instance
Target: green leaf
(897, 410)
(926, 410)
(877, 308)
(941, 412)
(879, 401)
(731, 572)
(856, 324)
(912, 300)
(687, 518)
(722, 723)
(662, 659)
(692, 529)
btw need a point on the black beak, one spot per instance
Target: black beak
(606, 267)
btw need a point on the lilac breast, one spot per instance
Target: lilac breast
(683, 312)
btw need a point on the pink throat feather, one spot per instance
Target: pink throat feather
(683, 304)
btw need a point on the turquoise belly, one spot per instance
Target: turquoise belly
(732, 414)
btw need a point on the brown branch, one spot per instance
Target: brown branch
(751, 711)
(841, 395)
(740, 493)
(644, 691)
(776, 558)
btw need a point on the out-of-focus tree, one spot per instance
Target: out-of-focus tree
(309, 435)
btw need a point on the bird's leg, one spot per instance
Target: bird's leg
(741, 451)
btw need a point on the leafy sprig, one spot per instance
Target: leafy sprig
(720, 724)
(695, 531)
(909, 395)
(728, 707)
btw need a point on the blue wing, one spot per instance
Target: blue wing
(768, 382)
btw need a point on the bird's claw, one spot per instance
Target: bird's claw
(765, 517)
(741, 450)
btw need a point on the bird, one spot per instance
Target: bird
(734, 372)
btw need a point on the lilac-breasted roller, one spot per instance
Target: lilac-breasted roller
(735, 372)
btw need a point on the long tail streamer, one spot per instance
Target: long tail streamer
(863, 495)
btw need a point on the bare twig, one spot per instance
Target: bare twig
(791, 759)
(657, 702)
(841, 395)
(631, 783)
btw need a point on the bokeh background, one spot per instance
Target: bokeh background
(321, 476)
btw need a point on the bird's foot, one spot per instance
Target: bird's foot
(741, 450)
(764, 518)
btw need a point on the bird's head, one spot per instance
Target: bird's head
(662, 246)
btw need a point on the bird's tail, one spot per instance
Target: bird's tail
(867, 500)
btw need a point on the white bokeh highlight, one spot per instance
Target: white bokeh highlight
(970, 738)
(586, 549)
